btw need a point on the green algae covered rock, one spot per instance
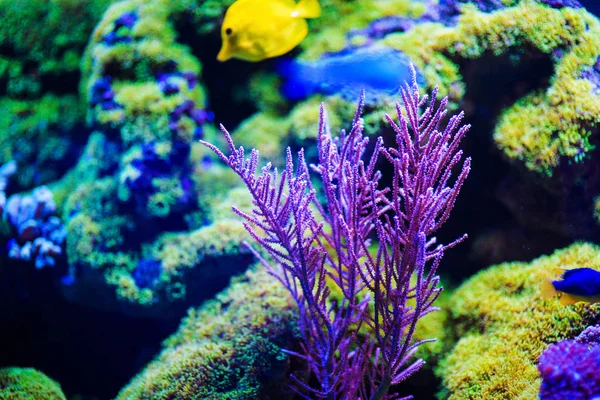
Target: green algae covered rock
(229, 348)
(41, 116)
(143, 234)
(504, 325)
(560, 117)
(42, 42)
(131, 266)
(28, 384)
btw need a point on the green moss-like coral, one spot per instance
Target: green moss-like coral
(103, 243)
(43, 40)
(145, 229)
(230, 348)
(40, 135)
(28, 384)
(504, 325)
(40, 114)
(141, 106)
(561, 117)
(328, 32)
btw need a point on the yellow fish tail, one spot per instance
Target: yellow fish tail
(308, 9)
(568, 299)
(547, 289)
(558, 272)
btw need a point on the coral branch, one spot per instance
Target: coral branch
(352, 352)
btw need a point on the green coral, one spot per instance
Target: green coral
(102, 239)
(43, 40)
(28, 384)
(40, 135)
(230, 348)
(142, 105)
(504, 325)
(40, 114)
(561, 117)
(154, 206)
(328, 32)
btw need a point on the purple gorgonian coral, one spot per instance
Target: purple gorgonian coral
(358, 308)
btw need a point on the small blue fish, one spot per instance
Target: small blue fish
(579, 284)
(378, 70)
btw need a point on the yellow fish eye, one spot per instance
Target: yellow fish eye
(228, 31)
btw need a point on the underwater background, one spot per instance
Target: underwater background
(123, 269)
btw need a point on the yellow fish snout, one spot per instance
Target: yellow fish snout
(224, 53)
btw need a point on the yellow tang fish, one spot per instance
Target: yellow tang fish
(257, 29)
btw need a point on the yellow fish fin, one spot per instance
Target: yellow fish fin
(568, 299)
(547, 289)
(308, 9)
(291, 36)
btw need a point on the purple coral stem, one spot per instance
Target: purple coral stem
(316, 247)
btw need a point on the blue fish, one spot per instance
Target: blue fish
(378, 70)
(579, 284)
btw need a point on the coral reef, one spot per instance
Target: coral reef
(230, 348)
(41, 123)
(504, 325)
(39, 233)
(111, 130)
(569, 368)
(562, 116)
(28, 384)
(145, 224)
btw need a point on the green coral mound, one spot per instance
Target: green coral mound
(40, 135)
(561, 117)
(504, 325)
(28, 384)
(148, 232)
(230, 348)
(43, 40)
(143, 109)
(41, 44)
(192, 261)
